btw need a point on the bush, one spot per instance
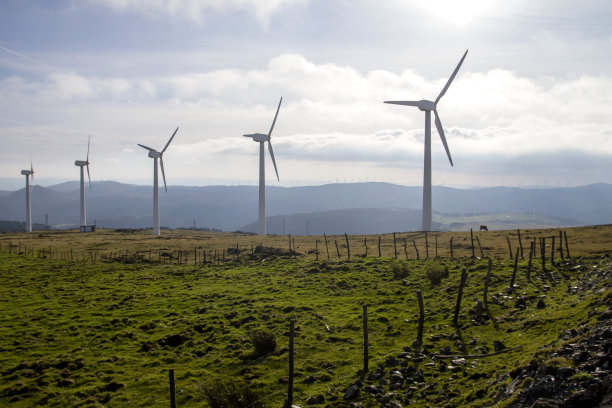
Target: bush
(230, 394)
(436, 273)
(263, 341)
(400, 271)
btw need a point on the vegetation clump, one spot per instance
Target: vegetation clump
(435, 273)
(228, 393)
(264, 343)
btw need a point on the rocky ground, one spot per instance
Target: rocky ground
(576, 375)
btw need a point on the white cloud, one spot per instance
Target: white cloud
(196, 9)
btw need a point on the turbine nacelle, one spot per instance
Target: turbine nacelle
(426, 105)
(81, 163)
(27, 172)
(258, 137)
(154, 154)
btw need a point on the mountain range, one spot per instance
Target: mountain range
(354, 208)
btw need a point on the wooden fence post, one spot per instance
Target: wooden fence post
(479, 247)
(509, 247)
(289, 245)
(337, 249)
(543, 253)
(326, 247)
(365, 339)
(419, 340)
(416, 249)
(561, 244)
(451, 247)
(520, 242)
(379, 252)
(472, 240)
(172, 388)
(436, 246)
(291, 373)
(459, 295)
(365, 243)
(516, 256)
(566, 246)
(348, 248)
(486, 282)
(552, 250)
(531, 251)
(394, 247)
(317, 249)
(406, 248)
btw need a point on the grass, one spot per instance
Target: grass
(77, 333)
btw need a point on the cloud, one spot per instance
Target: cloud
(195, 10)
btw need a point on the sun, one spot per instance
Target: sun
(459, 12)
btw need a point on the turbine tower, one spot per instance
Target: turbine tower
(261, 138)
(427, 107)
(81, 164)
(27, 174)
(154, 154)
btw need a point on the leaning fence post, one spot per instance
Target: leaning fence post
(561, 245)
(416, 249)
(486, 282)
(531, 251)
(419, 339)
(520, 242)
(459, 295)
(509, 247)
(172, 388)
(337, 249)
(326, 247)
(348, 248)
(566, 246)
(479, 247)
(365, 338)
(291, 352)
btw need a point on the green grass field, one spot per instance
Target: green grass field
(74, 332)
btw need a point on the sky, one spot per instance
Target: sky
(531, 105)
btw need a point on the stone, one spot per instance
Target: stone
(316, 399)
(498, 345)
(352, 393)
(445, 351)
(541, 304)
(545, 403)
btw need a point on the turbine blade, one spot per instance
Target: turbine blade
(32, 170)
(273, 161)
(168, 144)
(407, 103)
(146, 147)
(88, 140)
(451, 78)
(441, 133)
(275, 116)
(88, 176)
(161, 163)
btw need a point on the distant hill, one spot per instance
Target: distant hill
(358, 207)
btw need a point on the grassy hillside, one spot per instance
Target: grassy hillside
(79, 333)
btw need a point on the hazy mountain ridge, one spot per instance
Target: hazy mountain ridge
(230, 208)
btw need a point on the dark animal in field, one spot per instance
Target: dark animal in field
(483, 228)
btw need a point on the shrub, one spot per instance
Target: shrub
(228, 393)
(435, 274)
(400, 271)
(264, 342)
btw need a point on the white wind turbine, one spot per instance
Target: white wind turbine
(27, 174)
(428, 107)
(154, 154)
(81, 164)
(261, 139)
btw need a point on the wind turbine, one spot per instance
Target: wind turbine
(261, 139)
(27, 174)
(81, 164)
(154, 154)
(427, 107)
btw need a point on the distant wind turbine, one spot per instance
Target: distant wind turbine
(154, 154)
(428, 107)
(262, 138)
(81, 164)
(27, 174)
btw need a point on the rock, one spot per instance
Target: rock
(545, 403)
(520, 303)
(498, 345)
(566, 372)
(459, 361)
(310, 379)
(396, 377)
(391, 361)
(352, 393)
(315, 400)
(394, 404)
(541, 304)
(373, 389)
(445, 351)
